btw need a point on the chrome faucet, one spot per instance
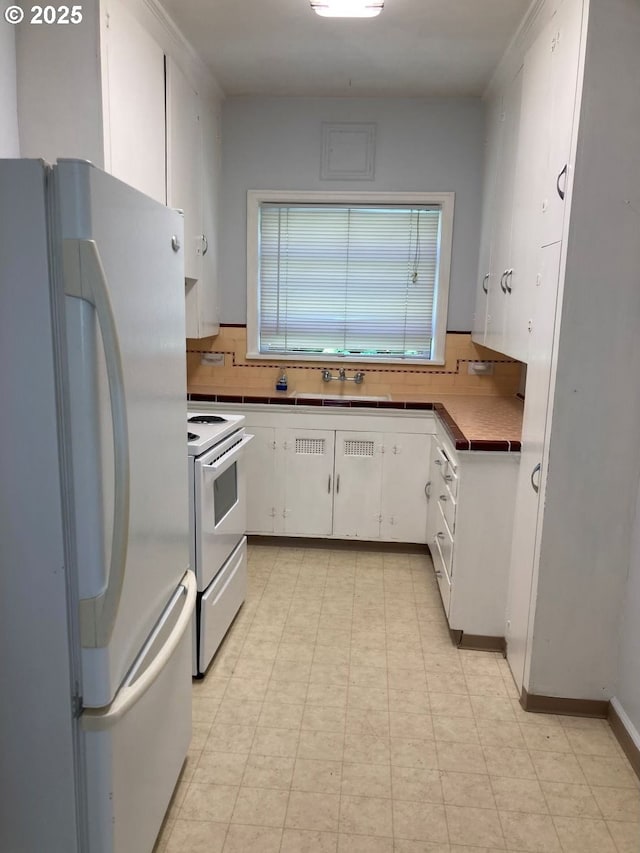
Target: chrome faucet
(327, 376)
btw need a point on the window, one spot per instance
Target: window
(359, 276)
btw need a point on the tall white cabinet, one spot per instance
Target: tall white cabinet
(580, 118)
(124, 90)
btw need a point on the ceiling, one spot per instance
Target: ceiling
(415, 48)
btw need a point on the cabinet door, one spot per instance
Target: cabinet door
(533, 144)
(308, 481)
(564, 47)
(184, 164)
(358, 485)
(405, 472)
(488, 234)
(530, 476)
(265, 481)
(134, 108)
(501, 258)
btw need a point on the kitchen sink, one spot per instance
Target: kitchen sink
(304, 395)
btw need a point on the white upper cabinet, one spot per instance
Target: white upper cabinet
(133, 103)
(184, 162)
(113, 90)
(530, 119)
(502, 261)
(486, 273)
(564, 47)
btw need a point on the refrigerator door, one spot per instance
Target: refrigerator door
(121, 265)
(135, 748)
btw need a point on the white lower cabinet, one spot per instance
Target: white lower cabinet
(341, 483)
(469, 524)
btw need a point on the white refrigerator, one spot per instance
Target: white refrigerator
(96, 595)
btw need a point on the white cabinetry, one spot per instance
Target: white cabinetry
(134, 112)
(530, 119)
(193, 186)
(573, 536)
(469, 523)
(184, 161)
(96, 91)
(358, 485)
(308, 481)
(340, 483)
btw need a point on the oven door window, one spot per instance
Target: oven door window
(225, 492)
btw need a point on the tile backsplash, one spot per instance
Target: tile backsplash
(236, 373)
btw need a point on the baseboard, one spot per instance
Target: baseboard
(337, 544)
(566, 707)
(626, 734)
(477, 642)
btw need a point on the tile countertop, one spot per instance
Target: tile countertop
(473, 422)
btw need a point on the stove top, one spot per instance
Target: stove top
(211, 430)
(206, 419)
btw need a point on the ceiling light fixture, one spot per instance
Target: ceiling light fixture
(347, 8)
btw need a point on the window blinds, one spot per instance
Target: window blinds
(348, 280)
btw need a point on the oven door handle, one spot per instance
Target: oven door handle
(229, 457)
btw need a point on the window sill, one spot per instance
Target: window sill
(347, 359)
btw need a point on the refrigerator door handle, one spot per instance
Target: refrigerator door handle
(85, 279)
(95, 720)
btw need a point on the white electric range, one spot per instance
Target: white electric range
(218, 520)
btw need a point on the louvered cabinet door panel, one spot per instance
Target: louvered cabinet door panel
(405, 472)
(358, 480)
(308, 481)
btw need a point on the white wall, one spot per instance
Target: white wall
(275, 143)
(628, 687)
(9, 145)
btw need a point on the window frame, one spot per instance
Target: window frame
(256, 197)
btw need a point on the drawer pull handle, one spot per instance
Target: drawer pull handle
(443, 497)
(440, 535)
(438, 461)
(561, 192)
(448, 477)
(508, 278)
(535, 471)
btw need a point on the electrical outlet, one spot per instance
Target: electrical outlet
(212, 358)
(480, 368)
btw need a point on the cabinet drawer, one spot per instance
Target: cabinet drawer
(447, 506)
(447, 469)
(450, 476)
(442, 556)
(220, 603)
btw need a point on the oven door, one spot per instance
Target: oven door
(220, 505)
